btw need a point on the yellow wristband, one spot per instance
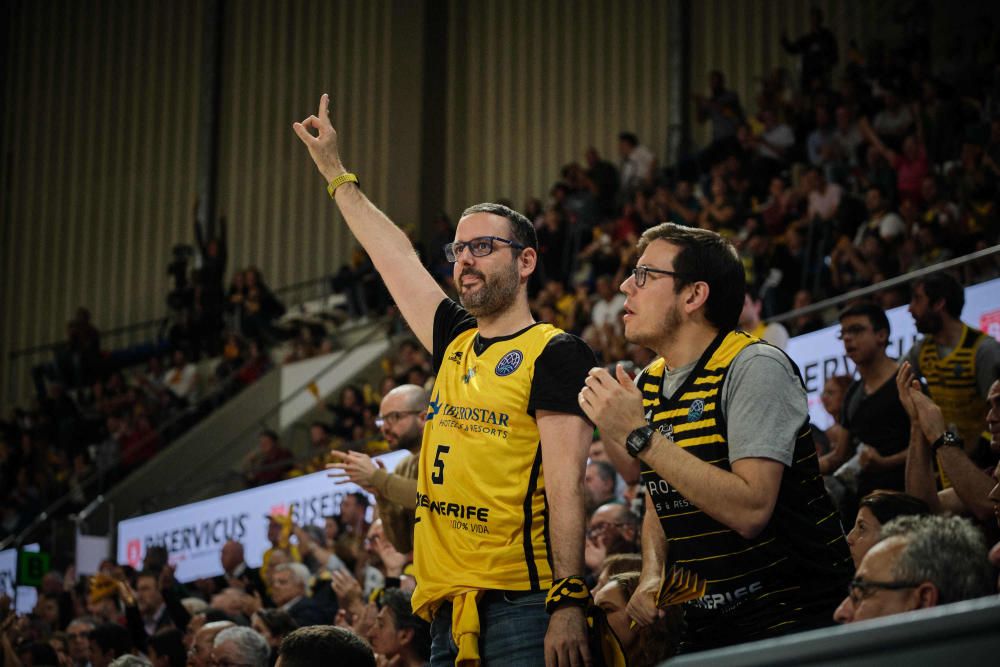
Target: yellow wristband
(340, 180)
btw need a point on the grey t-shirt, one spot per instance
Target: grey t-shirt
(763, 402)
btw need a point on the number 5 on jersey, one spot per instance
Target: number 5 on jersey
(437, 477)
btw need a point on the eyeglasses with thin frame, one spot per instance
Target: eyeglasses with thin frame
(639, 274)
(853, 330)
(391, 418)
(480, 246)
(859, 589)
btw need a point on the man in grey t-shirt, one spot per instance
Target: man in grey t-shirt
(720, 425)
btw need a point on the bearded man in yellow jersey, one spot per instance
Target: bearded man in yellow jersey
(720, 426)
(499, 518)
(959, 363)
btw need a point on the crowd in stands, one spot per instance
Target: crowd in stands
(345, 584)
(344, 581)
(98, 414)
(868, 167)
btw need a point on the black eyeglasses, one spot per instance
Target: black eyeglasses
(393, 417)
(852, 330)
(640, 272)
(479, 247)
(859, 589)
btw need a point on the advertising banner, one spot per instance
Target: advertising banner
(8, 572)
(820, 354)
(194, 534)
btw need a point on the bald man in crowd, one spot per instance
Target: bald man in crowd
(402, 416)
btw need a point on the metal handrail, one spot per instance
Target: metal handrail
(60, 502)
(820, 306)
(385, 322)
(147, 324)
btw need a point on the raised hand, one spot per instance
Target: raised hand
(352, 467)
(323, 144)
(365, 621)
(346, 587)
(393, 560)
(906, 384)
(614, 404)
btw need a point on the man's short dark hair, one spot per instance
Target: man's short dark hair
(361, 498)
(707, 257)
(150, 574)
(887, 505)
(629, 138)
(169, 642)
(112, 637)
(520, 227)
(319, 645)
(402, 612)
(942, 285)
(876, 316)
(278, 622)
(269, 434)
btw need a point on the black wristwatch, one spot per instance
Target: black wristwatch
(947, 439)
(638, 440)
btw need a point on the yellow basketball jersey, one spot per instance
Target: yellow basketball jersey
(481, 518)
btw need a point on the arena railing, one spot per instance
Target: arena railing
(829, 307)
(21, 361)
(30, 532)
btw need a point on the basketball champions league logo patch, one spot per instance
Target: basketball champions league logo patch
(509, 363)
(696, 410)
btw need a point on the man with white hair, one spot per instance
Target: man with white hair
(288, 589)
(240, 646)
(920, 562)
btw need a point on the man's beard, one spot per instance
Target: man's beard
(930, 323)
(409, 440)
(670, 325)
(496, 294)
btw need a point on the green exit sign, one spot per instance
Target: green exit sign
(31, 567)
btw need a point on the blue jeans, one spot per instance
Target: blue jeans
(512, 627)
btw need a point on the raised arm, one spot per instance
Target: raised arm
(409, 283)
(971, 485)
(869, 134)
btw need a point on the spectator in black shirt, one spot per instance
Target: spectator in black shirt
(873, 414)
(818, 49)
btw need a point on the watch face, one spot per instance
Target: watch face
(637, 440)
